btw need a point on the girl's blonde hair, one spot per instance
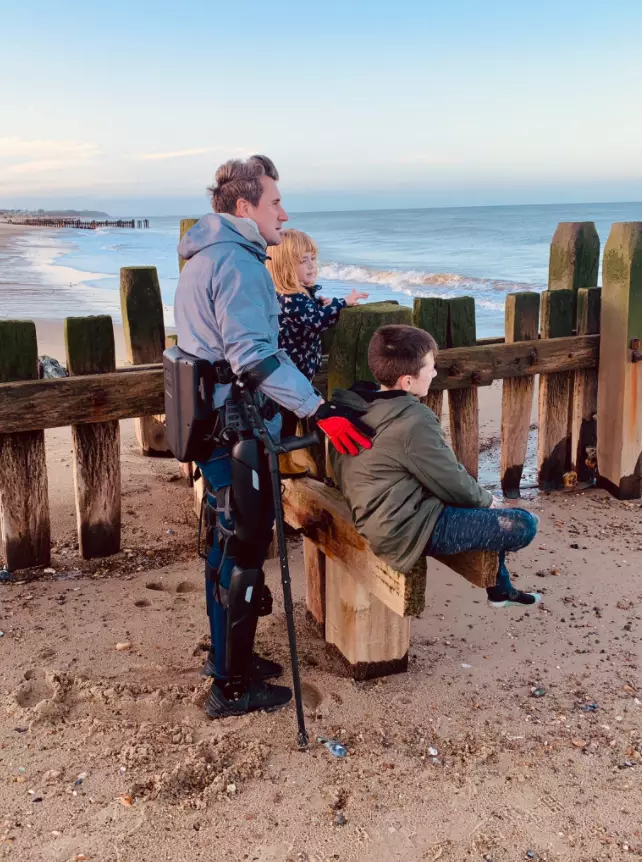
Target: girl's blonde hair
(284, 259)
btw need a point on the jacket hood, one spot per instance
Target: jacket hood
(215, 228)
(378, 408)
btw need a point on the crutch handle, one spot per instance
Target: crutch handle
(291, 444)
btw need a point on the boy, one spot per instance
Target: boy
(408, 494)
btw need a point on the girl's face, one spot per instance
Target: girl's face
(306, 269)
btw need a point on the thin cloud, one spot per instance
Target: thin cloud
(36, 167)
(197, 151)
(20, 148)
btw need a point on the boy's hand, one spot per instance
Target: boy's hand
(344, 428)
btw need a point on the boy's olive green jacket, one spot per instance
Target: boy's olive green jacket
(397, 490)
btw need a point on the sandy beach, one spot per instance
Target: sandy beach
(514, 735)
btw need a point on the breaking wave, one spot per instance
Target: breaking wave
(411, 281)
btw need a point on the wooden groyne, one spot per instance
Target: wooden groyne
(581, 341)
(79, 223)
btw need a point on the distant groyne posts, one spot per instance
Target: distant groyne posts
(79, 223)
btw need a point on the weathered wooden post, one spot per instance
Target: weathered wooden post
(431, 314)
(186, 224)
(91, 350)
(348, 358)
(573, 264)
(583, 419)
(522, 324)
(463, 404)
(574, 257)
(142, 311)
(619, 398)
(554, 440)
(25, 533)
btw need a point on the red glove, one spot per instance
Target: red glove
(344, 428)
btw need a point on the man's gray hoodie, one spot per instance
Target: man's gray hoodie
(226, 308)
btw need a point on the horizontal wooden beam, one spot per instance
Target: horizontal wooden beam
(461, 367)
(36, 404)
(31, 405)
(325, 519)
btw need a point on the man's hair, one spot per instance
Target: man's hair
(396, 350)
(240, 179)
(284, 258)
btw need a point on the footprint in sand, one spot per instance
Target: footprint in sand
(34, 689)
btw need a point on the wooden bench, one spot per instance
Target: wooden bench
(362, 605)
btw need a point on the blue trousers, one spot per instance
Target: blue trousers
(222, 559)
(458, 529)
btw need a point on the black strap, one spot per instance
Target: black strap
(256, 375)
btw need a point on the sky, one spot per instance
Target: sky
(130, 106)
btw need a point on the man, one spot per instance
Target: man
(226, 312)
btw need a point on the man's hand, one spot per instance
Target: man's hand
(344, 427)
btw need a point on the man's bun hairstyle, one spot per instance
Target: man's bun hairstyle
(238, 178)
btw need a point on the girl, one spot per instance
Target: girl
(304, 314)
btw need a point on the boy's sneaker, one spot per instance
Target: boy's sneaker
(258, 695)
(260, 669)
(500, 598)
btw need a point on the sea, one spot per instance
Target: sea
(484, 252)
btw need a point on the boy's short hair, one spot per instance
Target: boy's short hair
(395, 350)
(237, 179)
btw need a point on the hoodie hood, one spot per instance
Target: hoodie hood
(377, 408)
(215, 228)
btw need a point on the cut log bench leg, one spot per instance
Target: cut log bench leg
(364, 605)
(371, 639)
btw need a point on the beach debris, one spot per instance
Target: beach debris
(464, 665)
(126, 799)
(231, 789)
(570, 479)
(49, 368)
(123, 646)
(431, 751)
(5, 576)
(579, 743)
(589, 707)
(333, 745)
(339, 819)
(531, 854)
(538, 691)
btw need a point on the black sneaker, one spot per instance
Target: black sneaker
(258, 695)
(262, 668)
(499, 598)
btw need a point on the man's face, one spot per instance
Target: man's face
(269, 215)
(420, 384)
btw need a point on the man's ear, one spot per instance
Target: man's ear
(242, 208)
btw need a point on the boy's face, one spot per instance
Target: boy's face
(420, 384)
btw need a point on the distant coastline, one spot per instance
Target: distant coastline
(82, 214)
